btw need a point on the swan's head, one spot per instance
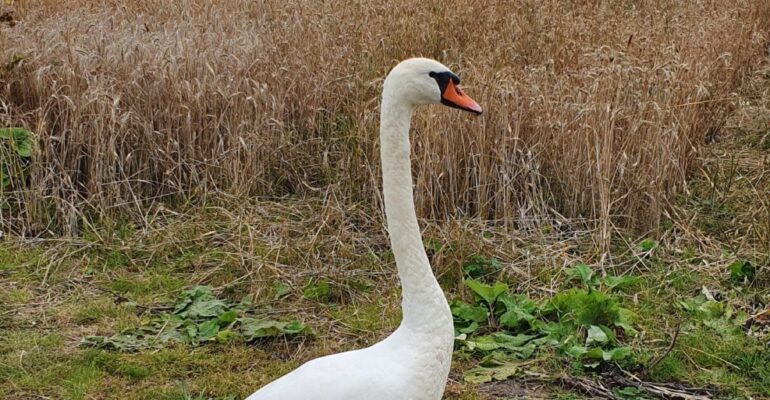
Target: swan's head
(424, 81)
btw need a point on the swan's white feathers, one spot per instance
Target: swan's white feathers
(412, 363)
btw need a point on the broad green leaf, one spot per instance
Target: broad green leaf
(616, 354)
(483, 374)
(227, 318)
(204, 309)
(199, 302)
(198, 317)
(486, 292)
(585, 274)
(577, 351)
(255, 329)
(472, 327)
(208, 330)
(479, 267)
(15, 134)
(24, 149)
(625, 321)
(596, 335)
(519, 311)
(742, 271)
(712, 309)
(501, 341)
(294, 328)
(467, 312)
(504, 372)
(512, 341)
(494, 359)
(594, 353)
(192, 331)
(582, 352)
(478, 375)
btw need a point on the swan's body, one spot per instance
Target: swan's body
(413, 362)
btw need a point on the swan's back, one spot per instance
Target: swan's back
(386, 371)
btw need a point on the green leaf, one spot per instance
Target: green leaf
(486, 292)
(616, 354)
(467, 312)
(585, 274)
(470, 328)
(24, 149)
(208, 330)
(501, 341)
(594, 353)
(227, 318)
(204, 309)
(198, 317)
(294, 328)
(22, 141)
(630, 393)
(477, 376)
(117, 342)
(200, 303)
(192, 331)
(479, 267)
(577, 351)
(742, 271)
(596, 335)
(519, 312)
(487, 374)
(625, 321)
(281, 290)
(15, 134)
(585, 308)
(256, 329)
(508, 341)
(619, 282)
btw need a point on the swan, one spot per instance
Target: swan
(413, 362)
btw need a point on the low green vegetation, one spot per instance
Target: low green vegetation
(585, 325)
(198, 317)
(16, 147)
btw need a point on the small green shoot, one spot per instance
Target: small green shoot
(742, 272)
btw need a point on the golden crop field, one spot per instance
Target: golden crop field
(593, 108)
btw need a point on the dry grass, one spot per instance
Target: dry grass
(593, 109)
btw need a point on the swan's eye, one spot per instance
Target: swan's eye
(432, 74)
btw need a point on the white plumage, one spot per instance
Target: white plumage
(413, 362)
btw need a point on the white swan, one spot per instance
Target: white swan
(413, 362)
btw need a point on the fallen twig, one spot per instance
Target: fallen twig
(588, 386)
(661, 390)
(668, 350)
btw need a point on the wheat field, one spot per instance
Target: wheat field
(593, 109)
(230, 149)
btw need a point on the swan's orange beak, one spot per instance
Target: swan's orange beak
(453, 96)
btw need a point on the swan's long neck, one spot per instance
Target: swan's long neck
(424, 306)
